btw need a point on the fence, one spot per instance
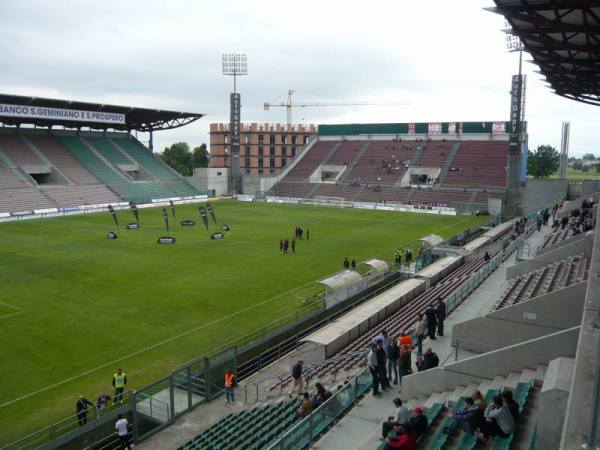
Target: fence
(307, 430)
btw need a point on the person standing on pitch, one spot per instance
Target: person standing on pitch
(229, 382)
(286, 243)
(346, 263)
(82, 410)
(281, 245)
(307, 234)
(353, 264)
(119, 381)
(293, 245)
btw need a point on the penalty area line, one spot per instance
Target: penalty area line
(16, 308)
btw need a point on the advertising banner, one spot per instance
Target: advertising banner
(42, 112)
(113, 214)
(202, 212)
(166, 218)
(516, 100)
(234, 120)
(134, 210)
(172, 209)
(212, 213)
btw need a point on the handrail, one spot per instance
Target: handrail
(282, 375)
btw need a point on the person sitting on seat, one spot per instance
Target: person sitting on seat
(418, 422)
(467, 419)
(513, 406)
(306, 407)
(321, 396)
(430, 359)
(404, 440)
(499, 420)
(401, 417)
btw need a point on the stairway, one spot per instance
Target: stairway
(418, 153)
(16, 170)
(448, 163)
(331, 153)
(34, 148)
(357, 158)
(102, 158)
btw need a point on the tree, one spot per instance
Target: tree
(179, 157)
(588, 157)
(577, 165)
(200, 156)
(544, 162)
(585, 169)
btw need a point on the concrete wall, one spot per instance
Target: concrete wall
(250, 185)
(589, 187)
(210, 179)
(487, 366)
(554, 397)
(558, 310)
(542, 193)
(539, 261)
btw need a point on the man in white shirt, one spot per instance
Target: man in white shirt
(122, 431)
(401, 417)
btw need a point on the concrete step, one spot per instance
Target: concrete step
(455, 395)
(512, 380)
(528, 375)
(498, 382)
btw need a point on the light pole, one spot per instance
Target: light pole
(235, 64)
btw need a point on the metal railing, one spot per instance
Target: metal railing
(281, 376)
(307, 430)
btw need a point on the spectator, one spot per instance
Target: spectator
(431, 319)
(404, 440)
(486, 257)
(539, 220)
(381, 365)
(306, 407)
(385, 338)
(430, 359)
(82, 410)
(499, 420)
(405, 339)
(467, 419)
(409, 255)
(440, 314)
(393, 353)
(479, 400)
(122, 432)
(418, 422)
(101, 402)
(346, 263)
(353, 264)
(419, 333)
(372, 364)
(401, 417)
(119, 382)
(420, 363)
(229, 383)
(405, 362)
(321, 396)
(513, 407)
(297, 384)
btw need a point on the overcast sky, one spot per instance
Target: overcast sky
(445, 59)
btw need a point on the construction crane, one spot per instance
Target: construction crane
(289, 105)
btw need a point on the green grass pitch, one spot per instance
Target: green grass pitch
(75, 305)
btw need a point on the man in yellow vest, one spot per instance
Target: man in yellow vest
(119, 381)
(229, 382)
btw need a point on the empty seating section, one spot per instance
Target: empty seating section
(292, 189)
(181, 189)
(478, 164)
(145, 158)
(345, 153)
(142, 192)
(248, 429)
(92, 162)
(17, 151)
(387, 193)
(437, 197)
(9, 179)
(334, 190)
(384, 162)
(402, 320)
(546, 279)
(72, 196)
(435, 154)
(108, 150)
(23, 199)
(311, 160)
(62, 159)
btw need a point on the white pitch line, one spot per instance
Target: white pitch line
(18, 310)
(166, 341)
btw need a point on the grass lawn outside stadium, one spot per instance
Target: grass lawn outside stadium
(75, 305)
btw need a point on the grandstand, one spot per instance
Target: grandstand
(46, 169)
(450, 165)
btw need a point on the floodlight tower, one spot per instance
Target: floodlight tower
(235, 64)
(517, 141)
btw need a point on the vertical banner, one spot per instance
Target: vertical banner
(172, 209)
(212, 213)
(113, 214)
(134, 210)
(234, 120)
(166, 218)
(203, 215)
(516, 100)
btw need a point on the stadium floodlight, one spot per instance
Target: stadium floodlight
(514, 43)
(235, 64)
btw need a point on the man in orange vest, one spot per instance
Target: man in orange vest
(229, 382)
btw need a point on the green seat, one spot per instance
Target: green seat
(433, 412)
(468, 442)
(501, 443)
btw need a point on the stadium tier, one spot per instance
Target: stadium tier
(461, 174)
(39, 171)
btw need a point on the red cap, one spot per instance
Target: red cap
(418, 410)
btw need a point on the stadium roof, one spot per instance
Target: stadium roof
(563, 37)
(47, 112)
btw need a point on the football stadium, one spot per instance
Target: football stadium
(368, 285)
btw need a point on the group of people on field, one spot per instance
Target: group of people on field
(349, 264)
(285, 244)
(398, 256)
(82, 406)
